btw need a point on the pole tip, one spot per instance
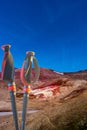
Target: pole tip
(30, 53)
(3, 47)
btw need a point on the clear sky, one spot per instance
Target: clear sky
(55, 29)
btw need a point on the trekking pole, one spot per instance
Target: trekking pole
(26, 78)
(8, 75)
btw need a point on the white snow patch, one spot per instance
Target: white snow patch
(59, 72)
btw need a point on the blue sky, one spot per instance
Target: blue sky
(55, 29)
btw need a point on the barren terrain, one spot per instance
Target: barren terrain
(65, 110)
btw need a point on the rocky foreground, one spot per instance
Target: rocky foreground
(66, 110)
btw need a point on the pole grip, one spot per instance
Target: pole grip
(7, 64)
(26, 71)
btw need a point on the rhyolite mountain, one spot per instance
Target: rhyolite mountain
(49, 77)
(65, 111)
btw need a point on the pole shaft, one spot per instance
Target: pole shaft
(25, 102)
(12, 96)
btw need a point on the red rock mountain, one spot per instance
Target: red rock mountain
(46, 76)
(49, 79)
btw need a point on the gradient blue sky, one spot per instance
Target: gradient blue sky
(55, 29)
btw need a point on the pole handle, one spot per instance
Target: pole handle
(26, 71)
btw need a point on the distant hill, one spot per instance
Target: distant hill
(77, 75)
(48, 77)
